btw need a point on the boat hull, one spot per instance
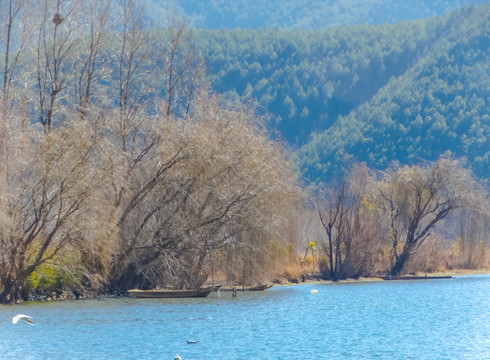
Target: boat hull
(415, 277)
(170, 294)
(259, 288)
(251, 288)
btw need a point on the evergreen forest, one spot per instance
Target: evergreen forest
(404, 92)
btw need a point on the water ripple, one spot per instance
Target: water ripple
(447, 319)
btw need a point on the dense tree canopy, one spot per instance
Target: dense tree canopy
(440, 104)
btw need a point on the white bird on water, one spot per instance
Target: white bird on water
(26, 318)
(177, 357)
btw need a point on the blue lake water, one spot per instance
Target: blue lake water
(423, 319)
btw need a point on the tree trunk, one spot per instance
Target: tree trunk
(330, 246)
(6, 294)
(401, 260)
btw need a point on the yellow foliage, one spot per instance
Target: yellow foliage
(32, 281)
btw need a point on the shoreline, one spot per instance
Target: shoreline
(453, 273)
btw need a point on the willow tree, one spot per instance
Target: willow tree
(203, 181)
(244, 189)
(417, 198)
(46, 209)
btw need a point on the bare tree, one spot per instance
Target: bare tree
(352, 225)
(417, 198)
(92, 54)
(217, 172)
(14, 36)
(57, 31)
(364, 240)
(53, 178)
(182, 66)
(134, 49)
(332, 208)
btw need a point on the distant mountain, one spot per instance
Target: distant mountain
(301, 14)
(408, 91)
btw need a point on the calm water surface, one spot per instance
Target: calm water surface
(425, 319)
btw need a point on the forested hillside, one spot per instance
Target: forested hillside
(307, 78)
(439, 105)
(302, 14)
(412, 90)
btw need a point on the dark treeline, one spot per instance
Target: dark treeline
(121, 167)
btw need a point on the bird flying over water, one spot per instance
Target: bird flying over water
(26, 318)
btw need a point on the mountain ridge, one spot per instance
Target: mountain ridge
(301, 14)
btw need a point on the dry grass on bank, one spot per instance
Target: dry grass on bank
(292, 278)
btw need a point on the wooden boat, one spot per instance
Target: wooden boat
(259, 287)
(250, 288)
(169, 294)
(415, 277)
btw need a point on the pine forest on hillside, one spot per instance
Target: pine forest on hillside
(400, 92)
